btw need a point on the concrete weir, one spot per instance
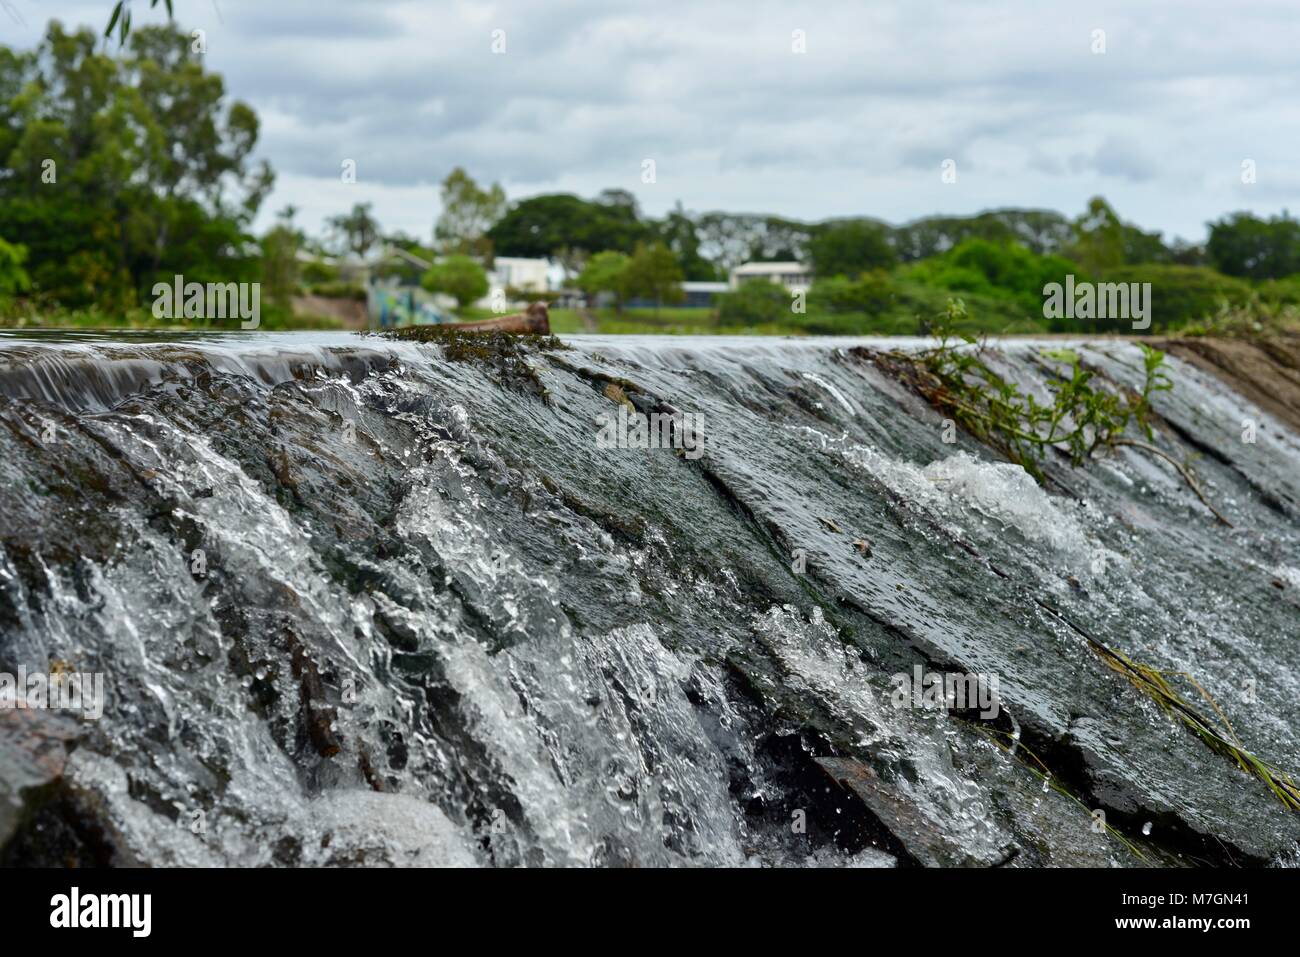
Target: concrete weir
(369, 601)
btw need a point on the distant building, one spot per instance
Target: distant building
(702, 294)
(794, 276)
(515, 273)
(519, 273)
(697, 295)
(390, 302)
(394, 296)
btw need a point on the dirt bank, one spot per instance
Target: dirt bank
(352, 312)
(1265, 371)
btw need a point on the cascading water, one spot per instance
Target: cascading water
(365, 602)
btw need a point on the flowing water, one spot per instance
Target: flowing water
(359, 602)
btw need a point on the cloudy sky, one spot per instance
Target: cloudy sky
(861, 122)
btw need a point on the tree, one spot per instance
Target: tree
(1040, 231)
(13, 278)
(121, 18)
(1103, 242)
(545, 225)
(357, 231)
(1183, 252)
(755, 303)
(122, 170)
(573, 260)
(999, 270)
(726, 238)
(280, 265)
(606, 272)
(459, 277)
(782, 240)
(1098, 238)
(729, 239)
(1179, 295)
(653, 273)
(621, 201)
(850, 247)
(468, 212)
(677, 231)
(1244, 245)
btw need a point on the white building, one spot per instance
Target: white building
(516, 273)
(520, 273)
(703, 294)
(794, 276)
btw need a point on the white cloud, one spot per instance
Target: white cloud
(856, 125)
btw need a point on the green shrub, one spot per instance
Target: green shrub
(988, 313)
(848, 247)
(318, 273)
(1183, 294)
(1280, 292)
(872, 293)
(1000, 271)
(460, 277)
(548, 296)
(338, 290)
(875, 303)
(757, 301)
(606, 272)
(13, 277)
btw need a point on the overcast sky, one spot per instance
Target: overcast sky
(714, 93)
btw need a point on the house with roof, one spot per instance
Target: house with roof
(794, 276)
(702, 295)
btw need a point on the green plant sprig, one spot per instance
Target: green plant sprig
(1083, 418)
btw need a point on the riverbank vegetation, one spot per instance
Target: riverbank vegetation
(125, 165)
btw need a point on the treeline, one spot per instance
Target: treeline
(708, 245)
(121, 169)
(871, 276)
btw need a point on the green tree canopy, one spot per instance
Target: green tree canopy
(1244, 245)
(729, 239)
(1102, 241)
(678, 232)
(468, 212)
(542, 226)
(459, 277)
(123, 170)
(654, 274)
(1040, 231)
(357, 231)
(850, 247)
(1000, 270)
(13, 278)
(606, 272)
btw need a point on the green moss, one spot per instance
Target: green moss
(503, 354)
(1081, 416)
